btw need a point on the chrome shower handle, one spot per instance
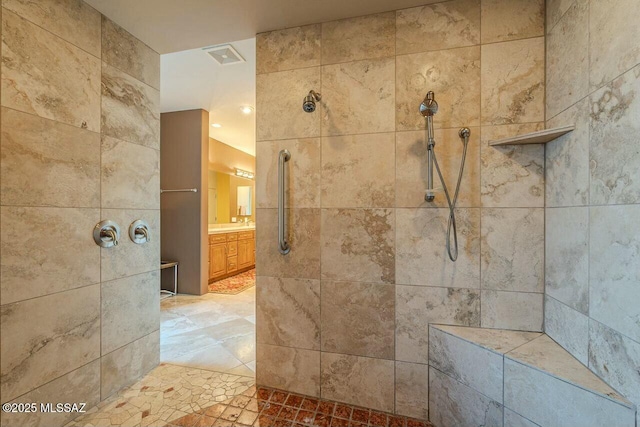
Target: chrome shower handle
(283, 245)
(106, 234)
(139, 232)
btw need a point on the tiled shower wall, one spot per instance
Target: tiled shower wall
(344, 315)
(79, 143)
(593, 188)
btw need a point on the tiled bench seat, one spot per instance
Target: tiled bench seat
(491, 377)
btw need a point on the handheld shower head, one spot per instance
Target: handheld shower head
(429, 106)
(309, 102)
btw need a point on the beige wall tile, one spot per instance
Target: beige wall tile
(412, 169)
(79, 386)
(361, 381)
(454, 76)
(421, 254)
(555, 10)
(358, 97)
(412, 390)
(288, 312)
(417, 306)
(365, 37)
(513, 82)
(303, 173)
(60, 162)
(130, 258)
(288, 368)
(127, 364)
(130, 175)
(44, 75)
(568, 60)
(304, 237)
(123, 51)
(504, 20)
(512, 254)
(358, 171)
(279, 113)
(574, 339)
(512, 175)
(512, 310)
(63, 334)
(439, 26)
(72, 20)
(292, 48)
(130, 309)
(358, 245)
(47, 250)
(130, 109)
(358, 319)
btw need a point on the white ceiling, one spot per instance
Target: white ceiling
(193, 79)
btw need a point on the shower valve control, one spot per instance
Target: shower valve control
(106, 234)
(139, 232)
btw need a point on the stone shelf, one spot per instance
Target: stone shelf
(539, 137)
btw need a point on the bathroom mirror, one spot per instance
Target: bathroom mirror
(230, 197)
(243, 207)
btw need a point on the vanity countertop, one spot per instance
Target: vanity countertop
(222, 230)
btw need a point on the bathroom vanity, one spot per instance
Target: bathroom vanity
(231, 251)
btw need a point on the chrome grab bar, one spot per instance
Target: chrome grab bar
(185, 190)
(283, 245)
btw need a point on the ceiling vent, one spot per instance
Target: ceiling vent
(224, 54)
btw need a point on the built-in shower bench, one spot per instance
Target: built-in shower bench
(494, 377)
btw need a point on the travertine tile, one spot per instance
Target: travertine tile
(574, 339)
(358, 97)
(365, 37)
(125, 52)
(421, 253)
(72, 20)
(512, 254)
(287, 368)
(459, 360)
(613, 267)
(567, 256)
(513, 175)
(411, 168)
(127, 364)
(615, 359)
(288, 312)
(568, 59)
(44, 75)
(545, 399)
(357, 380)
(452, 403)
(292, 48)
(439, 26)
(358, 245)
(512, 19)
(130, 109)
(454, 76)
(513, 419)
(497, 340)
(417, 306)
(615, 163)
(81, 385)
(512, 310)
(412, 389)
(63, 334)
(303, 173)
(304, 237)
(358, 171)
(130, 309)
(58, 254)
(613, 30)
(555, 10)
(130, 258)
(513, 82)
(65, 160)
(358, 319)
(567, 159)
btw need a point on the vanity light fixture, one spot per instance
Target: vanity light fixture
(247, 109)
(244, 174)
(216, 125)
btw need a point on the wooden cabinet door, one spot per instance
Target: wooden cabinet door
(243, 261)
(217, 260)
(252, 252)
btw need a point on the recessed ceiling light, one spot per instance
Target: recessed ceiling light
(247, 109)
(216, 125)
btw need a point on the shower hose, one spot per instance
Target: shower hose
(451, 224)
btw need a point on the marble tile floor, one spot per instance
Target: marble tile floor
(215, 332)
(166, 393)
(262, 407)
